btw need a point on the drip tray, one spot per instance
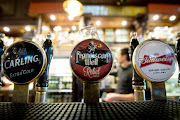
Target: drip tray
(146, 110)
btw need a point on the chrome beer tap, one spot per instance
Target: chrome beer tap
(42, 82)
(137, 81)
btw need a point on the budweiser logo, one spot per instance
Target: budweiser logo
(91, 73)
(164, 59)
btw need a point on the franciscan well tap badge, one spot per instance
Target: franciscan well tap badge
(91, 60)
(23, 61)
(154, 60)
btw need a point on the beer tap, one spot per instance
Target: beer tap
(42, 82)
(177, 50)
(137, 81)
(2, 47)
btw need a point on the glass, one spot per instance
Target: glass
(88, 32)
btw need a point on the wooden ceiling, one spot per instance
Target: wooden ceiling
(112, 22)
(114, 2)
(17, 17)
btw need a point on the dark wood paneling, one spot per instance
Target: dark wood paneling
(7, 8)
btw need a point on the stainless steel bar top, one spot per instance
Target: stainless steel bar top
(145, 110)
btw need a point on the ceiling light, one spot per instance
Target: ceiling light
(57, 28)
(73, 28)
(73, 7)
(53, 17)
(45, 28)
(172, 18)
(124, 23)
(157, 28)
(27, 28)
(155, 17)
(98, 22)
(165, 28)
(6, 29)
(70, 17)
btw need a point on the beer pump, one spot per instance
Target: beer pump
(42, 82)
(137, 81)
(155, 61)
(177, 49)
(1, 52)
(91, 60)
(23, 62)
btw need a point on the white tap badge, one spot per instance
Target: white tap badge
(154, 60)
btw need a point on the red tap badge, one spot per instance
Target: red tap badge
(154, 60)
(91, 60)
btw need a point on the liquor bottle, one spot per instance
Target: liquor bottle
(137, 81)
(2, 48)
(177, 50)
(42, 82)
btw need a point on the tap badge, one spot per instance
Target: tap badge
(23, 62)
(154, 60)
(91, 60)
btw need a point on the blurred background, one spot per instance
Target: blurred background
(113, 19)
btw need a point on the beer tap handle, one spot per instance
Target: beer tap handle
(136, 79)
(42, 82)
(48, 48)
(2, 48)
(177, 50)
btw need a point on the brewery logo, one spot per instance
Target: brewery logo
(22, 51)
(91, 60)
(23, 61)
(91, 47)
(154, 60)
(164, 59)
(91, 56)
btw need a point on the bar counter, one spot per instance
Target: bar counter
(145, 110)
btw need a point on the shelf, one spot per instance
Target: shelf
(63, 90)
(173, 94)
(56, 75)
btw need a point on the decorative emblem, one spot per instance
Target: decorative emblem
(91, 60)
(164, 59)
(22, 51)
(23, 62)
(154, 60)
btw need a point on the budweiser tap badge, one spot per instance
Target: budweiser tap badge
(23, 62)
(91, 60)
(154, 60)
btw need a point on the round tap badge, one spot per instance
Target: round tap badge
(91, 60)
(154, 60)
(23, 62)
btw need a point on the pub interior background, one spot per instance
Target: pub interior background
(113, 19)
